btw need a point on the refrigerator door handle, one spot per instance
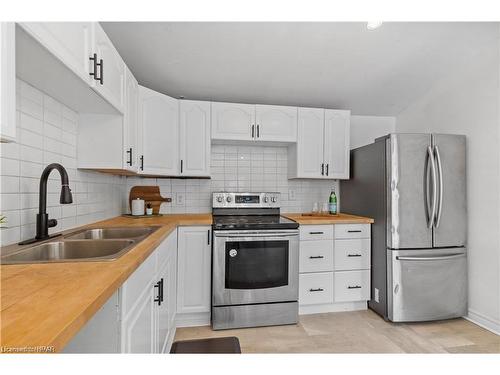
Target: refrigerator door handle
(445, 257)
(434, 188)
(441, 188)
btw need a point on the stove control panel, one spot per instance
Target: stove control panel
(245, 200)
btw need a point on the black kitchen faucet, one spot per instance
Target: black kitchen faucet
(43, 223)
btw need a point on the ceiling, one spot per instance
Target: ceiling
(332, 65)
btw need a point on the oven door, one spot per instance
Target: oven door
(255, 267)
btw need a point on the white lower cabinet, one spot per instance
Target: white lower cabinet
(334, 266)
(194, 275)
(140, 316)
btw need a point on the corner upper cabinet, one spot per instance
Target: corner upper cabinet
(70, 42)
(233, 121)
(158, 133)
(130, 123)
(322, 148)
(337, 143)
(109, 69)
(7, 82)
(194, 135)
(275, 123)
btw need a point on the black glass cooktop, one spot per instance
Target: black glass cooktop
(224, 222)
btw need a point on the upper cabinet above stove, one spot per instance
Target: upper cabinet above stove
(249, 122)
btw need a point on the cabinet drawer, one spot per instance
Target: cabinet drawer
(352, 231)
(352, 286)
(315, 288)
(352, 254)
(316, 232)
(316, 256)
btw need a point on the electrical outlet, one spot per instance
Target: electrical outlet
(179, 199)
(292, 195)
(376, 295)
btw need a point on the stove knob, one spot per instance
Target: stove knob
(219, 199)
(273, 199)
(229, 199)
(266, 199)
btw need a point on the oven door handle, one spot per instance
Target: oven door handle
(244, 236)
(255, 234)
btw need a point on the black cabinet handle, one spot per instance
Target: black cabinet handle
(354, 231)
(327, 169)
(353, 255)
(253, 131)
(161, 290)
(258, 133)
(316, 290)
(101, 69)
(316, 232)
(94, 60)
(322, 169)
(129, 152)
(354, 287)
(181, 165)
(142, 162)
(208, 237)
(316, 257)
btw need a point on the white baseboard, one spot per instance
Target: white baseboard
(332, 307)
(481, 320)
(192, 319)
(170, 341)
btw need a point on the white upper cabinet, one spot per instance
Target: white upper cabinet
(130, 121)
(68, 41)
(233, 121)
(7, 82)
(159, 133)
(276, 123)
(336, 143)
(194, 135)
(309, 147)
(322, 149)
(108, 69)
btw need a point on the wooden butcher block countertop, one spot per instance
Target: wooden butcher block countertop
(341, 218)
(47, 304)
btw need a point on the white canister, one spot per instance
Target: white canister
(138, 207)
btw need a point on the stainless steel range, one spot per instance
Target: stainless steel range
(255, 270)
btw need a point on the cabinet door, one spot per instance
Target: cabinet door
(68, 41)
(139, 327)
(336, 143)
(162, 308)
(194, 131)
(194, 262)
(276, 123)
(130, 122)
(112, 69)
(159, 125)
(7, 82)
(233, 121)
(310, 142)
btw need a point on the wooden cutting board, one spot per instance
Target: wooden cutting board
(150, 194)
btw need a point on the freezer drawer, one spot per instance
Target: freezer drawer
(428, 284)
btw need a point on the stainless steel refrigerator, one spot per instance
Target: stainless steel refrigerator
(414, 186)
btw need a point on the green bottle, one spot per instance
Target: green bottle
(333, 203)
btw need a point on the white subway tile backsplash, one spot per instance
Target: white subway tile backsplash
(47, 133)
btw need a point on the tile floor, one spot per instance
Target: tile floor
(357, 332)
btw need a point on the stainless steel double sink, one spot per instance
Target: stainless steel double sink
(95, 244)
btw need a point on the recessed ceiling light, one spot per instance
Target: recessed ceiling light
(373, 25)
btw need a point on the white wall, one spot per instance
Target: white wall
(46, 132)
(467, 102)
(364, 129)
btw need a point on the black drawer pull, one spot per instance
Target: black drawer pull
(316, 232)
(353, 255)
(316, 290)
(316, 257)
(354, 287)
(354, 231)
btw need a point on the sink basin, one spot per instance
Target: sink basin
(112, 233)
(70, 251)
